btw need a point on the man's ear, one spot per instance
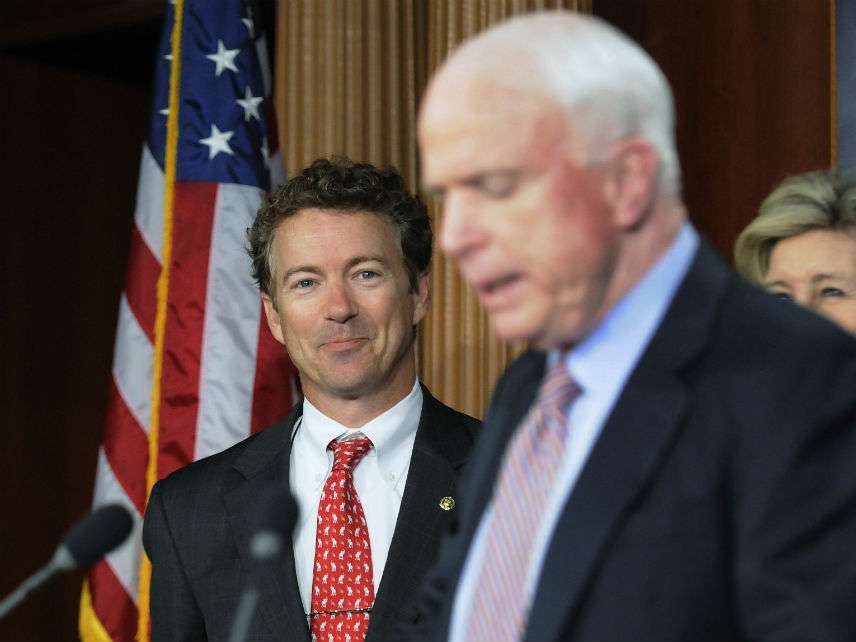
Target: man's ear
(273, 320)
(421, 298)
(633, 181)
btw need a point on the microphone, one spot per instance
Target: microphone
(88, 541)
(275, 519)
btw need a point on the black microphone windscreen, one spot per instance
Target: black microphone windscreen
(98, 533)
(275, 519)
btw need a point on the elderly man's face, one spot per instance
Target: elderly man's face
(528, 223)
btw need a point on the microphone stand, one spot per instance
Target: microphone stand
(277, 516)
(88, 541)
(61, 561)
(244, 614)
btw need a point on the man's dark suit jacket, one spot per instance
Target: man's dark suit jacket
(719, 502)
(197, 529)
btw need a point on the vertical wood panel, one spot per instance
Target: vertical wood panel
(382, 54)
(461, 357)
(752, 87)
(345, 81)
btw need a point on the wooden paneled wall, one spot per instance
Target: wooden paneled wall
(752, 83)
(349, 79)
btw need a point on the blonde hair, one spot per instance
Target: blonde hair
(810, 201)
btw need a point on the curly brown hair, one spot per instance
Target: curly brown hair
(340, 184)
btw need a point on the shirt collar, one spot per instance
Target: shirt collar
(391, 432)
(607, 356)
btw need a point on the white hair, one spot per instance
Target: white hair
(611, 86)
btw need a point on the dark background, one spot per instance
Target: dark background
(752, 85)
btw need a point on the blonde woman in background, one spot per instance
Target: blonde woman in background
(802, 245)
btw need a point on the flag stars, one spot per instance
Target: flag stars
(217, 142)
(224, 58)
(250, 104)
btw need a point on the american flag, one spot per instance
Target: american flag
(194, 369)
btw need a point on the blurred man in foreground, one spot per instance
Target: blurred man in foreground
(341, 253)
(673, 460)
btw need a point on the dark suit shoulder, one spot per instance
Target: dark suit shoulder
(765, 396)
(769, 320)
(746, 324)
(527, 366)
(514, 390)
(759, 335)
(445, 431)
(218, 471)
(448, 416)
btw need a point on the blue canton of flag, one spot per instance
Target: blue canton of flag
(223, 133)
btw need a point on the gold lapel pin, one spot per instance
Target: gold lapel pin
(447, 503)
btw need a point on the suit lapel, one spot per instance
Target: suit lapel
(439, 451)
(637, 436)
(263, 463)
(634, 439)
(510, 402)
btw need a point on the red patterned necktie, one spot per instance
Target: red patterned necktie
(529, 468)
(342, 578)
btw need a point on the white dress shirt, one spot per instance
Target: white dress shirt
(379, 478)
(600, 364)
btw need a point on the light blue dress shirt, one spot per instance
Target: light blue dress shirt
(600, 364)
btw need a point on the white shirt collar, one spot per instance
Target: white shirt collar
(391, 432)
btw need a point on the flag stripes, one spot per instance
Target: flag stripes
(182, 338)
(195, 369)
(148, 215)
(116, 609)
(141, 281)
(118, 561)
(133, 359)
(230, 340)
(125, 450)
